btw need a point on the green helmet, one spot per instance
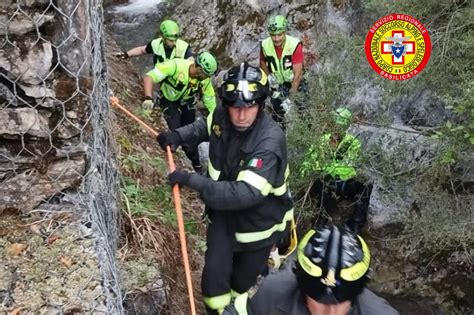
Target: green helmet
(169, 29)
(207, 62)
(332, 264)
(277, 24)
(342, 117)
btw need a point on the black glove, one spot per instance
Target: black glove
(122, 55)
(169, 138)
(179, 177)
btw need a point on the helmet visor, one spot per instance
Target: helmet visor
(249, 92)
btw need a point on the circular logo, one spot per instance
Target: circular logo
(398, 47)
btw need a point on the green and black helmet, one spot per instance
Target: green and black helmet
(333, 264)
(244, 85)
(277, 24)
(207, 62)
(169, 29)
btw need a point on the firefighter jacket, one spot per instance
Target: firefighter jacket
(176, 84)
(247, 177)
(279, 294)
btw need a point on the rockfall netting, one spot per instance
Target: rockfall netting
(59, 206)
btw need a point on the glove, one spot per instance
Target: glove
(286, 105)
(169, 138)
(179, 177)
(148, 103)
(272, 82)
(122, 55)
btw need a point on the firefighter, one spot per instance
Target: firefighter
(246, 195)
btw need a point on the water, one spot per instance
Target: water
(135, 7)
(135, 24)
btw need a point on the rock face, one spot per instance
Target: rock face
(55, 158)
(43, 101)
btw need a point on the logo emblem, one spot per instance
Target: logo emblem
(217, 130)
(398, 47)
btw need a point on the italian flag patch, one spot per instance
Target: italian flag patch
(256, 163)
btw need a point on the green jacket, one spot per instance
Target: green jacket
(339, 162)
(177, 85)
(159, 54)
(281, 68)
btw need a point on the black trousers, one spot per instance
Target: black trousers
(226, 269)
(178, 114)
(278, 113)
(325, 190)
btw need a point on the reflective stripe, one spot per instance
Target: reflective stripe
(209, 122)
(218, 302)
(178, 51)
(359, 269)
(277, 68)
(304, 261)
(262, 235)
(213, 173)
(240, 303)
(262, 184)
(256, 181)
(156, 75)
(179, 78)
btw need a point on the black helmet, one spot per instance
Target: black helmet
(244, 85)
(333, 265)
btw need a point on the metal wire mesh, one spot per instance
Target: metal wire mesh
(57, 157)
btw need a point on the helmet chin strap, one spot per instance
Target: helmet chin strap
(241, 129)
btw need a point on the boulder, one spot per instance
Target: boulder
(30, 65)
(28, 189)
(22, 24)
(20, 121)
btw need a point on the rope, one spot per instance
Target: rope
(177, 202)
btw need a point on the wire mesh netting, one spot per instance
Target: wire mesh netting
(58, 175)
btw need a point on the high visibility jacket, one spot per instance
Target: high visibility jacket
(339, 162)
(177, 85)
(279, 294)
(159, 55)
(281, 68)
(248, 173)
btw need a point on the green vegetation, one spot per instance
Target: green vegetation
(443, 217)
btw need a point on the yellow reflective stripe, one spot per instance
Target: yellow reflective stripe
(156, 75)
(240, 303)
(280, 191)
(261, 183)
(213, 173)
(209, 122)
(218, 302)
(256, 181)
(304, 261)
(359, 269)
(250, 237)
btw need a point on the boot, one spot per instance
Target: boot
(359, 217)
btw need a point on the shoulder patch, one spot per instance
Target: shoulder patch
(217, 129)
(255, 163)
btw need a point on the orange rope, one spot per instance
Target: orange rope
(177, 203)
